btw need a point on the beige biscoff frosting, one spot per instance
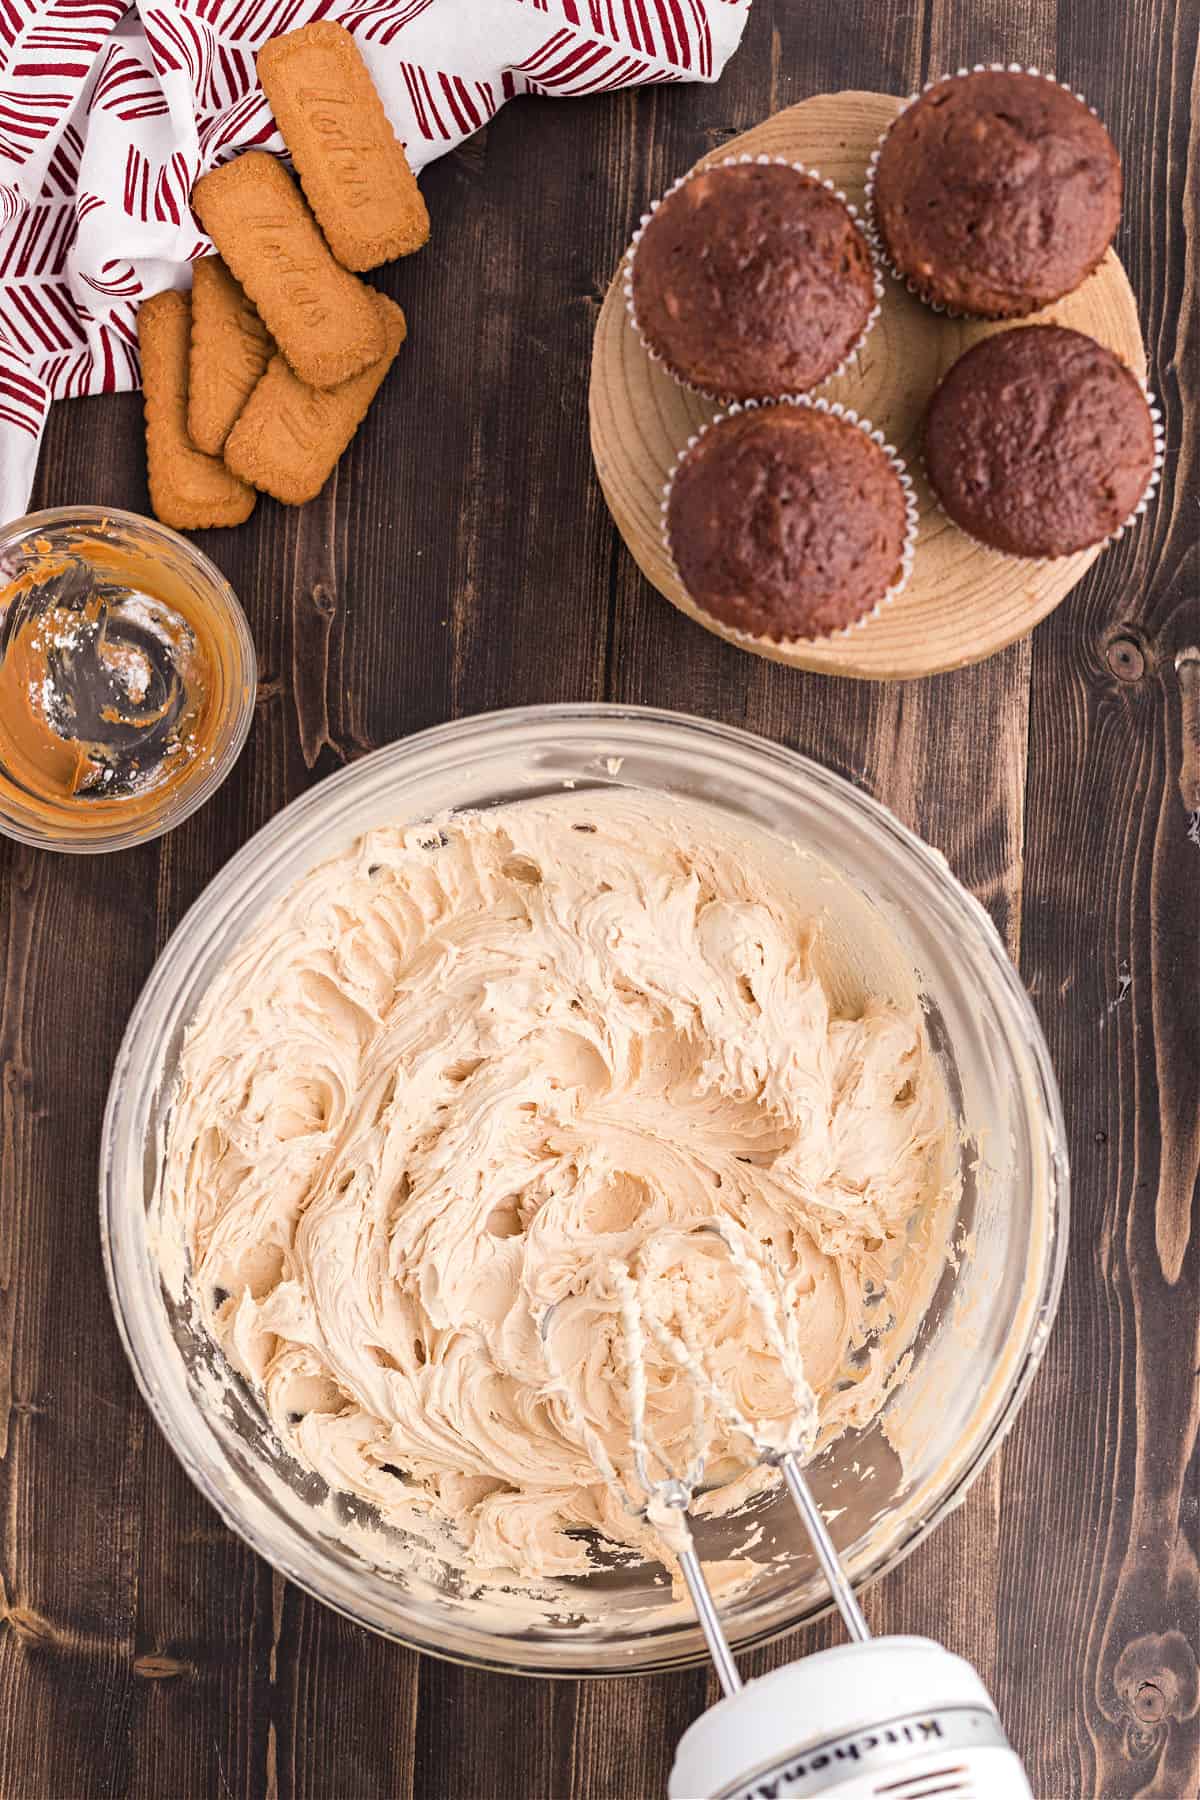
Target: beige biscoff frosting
(464, 1074)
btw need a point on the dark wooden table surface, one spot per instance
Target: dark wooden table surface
(461, 559)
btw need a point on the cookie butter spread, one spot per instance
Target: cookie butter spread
(105, 689)
(468, 1077)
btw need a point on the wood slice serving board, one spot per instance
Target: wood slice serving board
(963, 602)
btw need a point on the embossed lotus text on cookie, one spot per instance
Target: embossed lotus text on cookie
(323, 320)
(290, 435)
(350, 162)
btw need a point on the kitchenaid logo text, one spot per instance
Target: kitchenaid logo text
(775, 1786)
(892, 1745)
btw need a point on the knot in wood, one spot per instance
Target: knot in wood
(1125, 659)
(1158, 1678)
(157, 1667)
(1149, 1703)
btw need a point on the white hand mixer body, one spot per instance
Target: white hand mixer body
(893, 1718)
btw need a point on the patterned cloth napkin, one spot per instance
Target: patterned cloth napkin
(109, 113)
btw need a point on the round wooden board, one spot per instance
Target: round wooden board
(963, 602)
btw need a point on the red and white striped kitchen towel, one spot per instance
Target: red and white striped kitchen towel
(108, 113)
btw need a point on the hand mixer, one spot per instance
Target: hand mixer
(891, 1718)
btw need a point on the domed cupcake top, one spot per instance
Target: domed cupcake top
(753, 280)
(1040, 442)
(995, 192)
(789, 522)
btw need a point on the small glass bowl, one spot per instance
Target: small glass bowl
(974, 1354)
(181, 576)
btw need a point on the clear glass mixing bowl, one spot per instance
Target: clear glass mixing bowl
(973, 1356)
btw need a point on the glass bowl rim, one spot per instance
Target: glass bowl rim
(280, 829)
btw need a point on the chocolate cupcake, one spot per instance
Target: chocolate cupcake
(752, 280)
(1039, 442)
(790, 522)
(995, 192)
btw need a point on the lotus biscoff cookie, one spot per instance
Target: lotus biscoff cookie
(290, 435)
(323, 319)
(350, 162)
(230, 349)
(187, 489)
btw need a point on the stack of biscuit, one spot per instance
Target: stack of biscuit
(260, 380)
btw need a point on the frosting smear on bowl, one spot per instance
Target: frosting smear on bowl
(101, 684)
(464, 1075)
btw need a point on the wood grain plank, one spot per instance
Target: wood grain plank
(1104, 1457)
(70, 1469)
(70, 1436)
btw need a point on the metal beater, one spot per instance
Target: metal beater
(893, 1718)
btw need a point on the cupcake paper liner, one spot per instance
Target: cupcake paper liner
(871, 223)
(836, 410)
(726, 162)
(1148, 493)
